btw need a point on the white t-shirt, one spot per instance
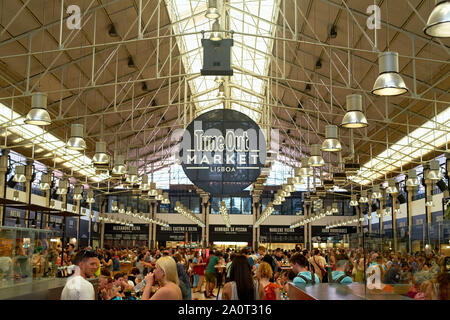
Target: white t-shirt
(78, 288)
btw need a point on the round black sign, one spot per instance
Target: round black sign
(223, 151)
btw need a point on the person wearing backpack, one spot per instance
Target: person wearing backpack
(319, 263)
(300, 266)
(340, 276)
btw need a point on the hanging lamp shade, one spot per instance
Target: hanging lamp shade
(216, 35)
(354, 118)
(16, 195)
(221, 92)
(159, 195)
(144, 183)
(316, 159)
(219, 79)
(389, 81)
(76, 141)
(212, 12)
(132, 175)
(119, 166)
(376, 193)
(412, 180)
(392, 188)
(19, 174)
(306, 170)
(334, 207)
(63, 187)
(331, 142)
(90, 196)
(353, 201)
(438, 24)
(46, 181)
(434, 173)
(77, 193)
(122, 208)
(114, 206)
(363, 198)
(152, 192)
(38, 115)
(100, 156)
(329, 212)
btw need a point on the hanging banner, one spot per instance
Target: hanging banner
(222, 151)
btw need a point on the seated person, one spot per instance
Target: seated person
(300, 266)
(340, 276)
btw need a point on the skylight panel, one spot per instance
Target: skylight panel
(402, 152)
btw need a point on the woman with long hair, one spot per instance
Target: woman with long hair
(242, 286)
(166, 276)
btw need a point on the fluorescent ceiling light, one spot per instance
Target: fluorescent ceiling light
(418, 143)
(71, 158)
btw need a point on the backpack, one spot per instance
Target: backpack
(338, 280)
(308, 281)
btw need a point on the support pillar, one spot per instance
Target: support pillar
(381, 213)
(305, 227)
(309, 229)
(102, 224)
(208, 208)
(78, 210)
(3, 169)
(394, 220)
(409, 214)
(154, 206)
(28, 175)
(428, 219)
(254, 218)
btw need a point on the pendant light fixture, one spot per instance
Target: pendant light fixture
(392, 188)
(114, 206)
(76, 141)
(331, 142)
(216, 35)
(389, 81)
(213, 11)
(121, 208)
(334, 208)
(354, 118)
(434, 173)
(119, 168)
(132, 175)
(438, 24)
(100, 156)
(144, 186)
(153, 191)
(78, 193)
(63, 187)
(306, 171)
(219, 79)
(316, 159)
(376, 193)
(412, 180)
(363, 198)
(16, 195)
(221, 92)
(45, 182)
(38, 115)
(19, 174)
(353, 201)
(90, 196)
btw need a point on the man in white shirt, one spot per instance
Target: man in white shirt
(77, 287)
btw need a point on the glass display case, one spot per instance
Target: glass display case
(27, 254)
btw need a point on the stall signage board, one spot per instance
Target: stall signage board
(239, 233)
(117, 228)
(279, 234)
(322, 231)
(222, 151)
(177, 232)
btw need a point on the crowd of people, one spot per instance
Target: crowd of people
(178, 273)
